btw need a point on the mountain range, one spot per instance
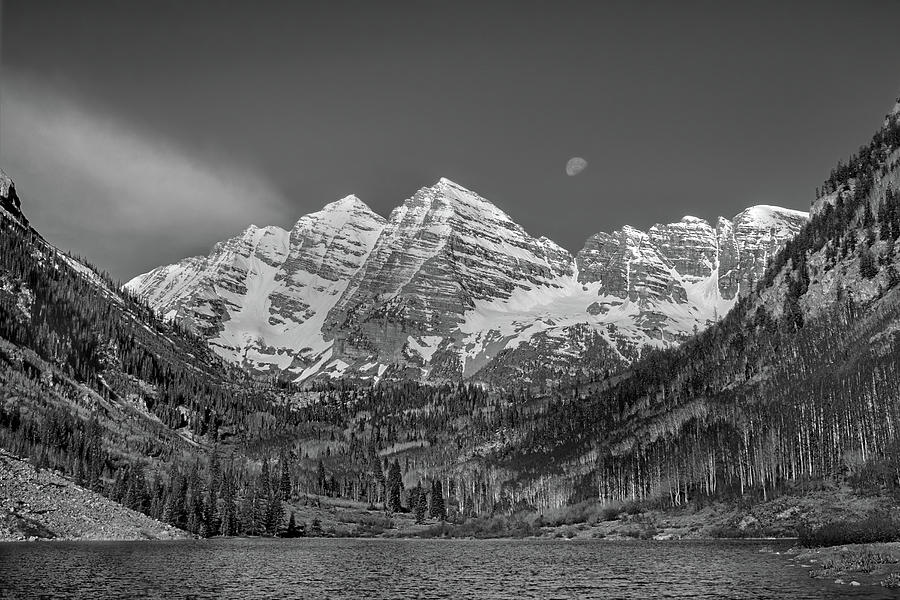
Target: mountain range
(794, 392)
(449, 287)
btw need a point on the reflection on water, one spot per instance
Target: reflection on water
(349, 568)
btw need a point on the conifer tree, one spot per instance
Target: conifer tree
(867, 266)
(211, 500)
(437, 509)
(321, 478)
(285, 482)
(395, 487)
(315, 528)
(227, 516)
(291, 530)
(421, 504)
(868, 219)
(274, 514)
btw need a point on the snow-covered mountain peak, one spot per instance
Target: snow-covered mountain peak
(350, 203)
(633, 235)
(463, 201)
(256, 232)
(783, 222)
(767, 212)
(449, 285)
(269, 240)
(691, 220)
(447, 182)
(334, 216)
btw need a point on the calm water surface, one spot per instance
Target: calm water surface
(350, 568)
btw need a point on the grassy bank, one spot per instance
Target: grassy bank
(825, 513)
(855, 564)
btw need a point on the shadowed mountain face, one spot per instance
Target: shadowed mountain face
(9, 200)
(450, 287)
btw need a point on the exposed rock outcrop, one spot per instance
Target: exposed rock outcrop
(9, 200)
(449, 285)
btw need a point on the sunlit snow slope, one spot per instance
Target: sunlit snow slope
(450, 287)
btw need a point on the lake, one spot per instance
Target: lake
(381, 568)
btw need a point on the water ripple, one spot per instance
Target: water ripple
(428, 569)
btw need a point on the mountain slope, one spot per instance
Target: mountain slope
(261, 297)
(92, 384)
(800, 381)
(450, 287)
(445, 255)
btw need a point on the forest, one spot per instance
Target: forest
(799, 382)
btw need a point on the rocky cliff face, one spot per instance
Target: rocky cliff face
(450, 287)
(757, 234)
(9, 200)
(443, 252)
(683, 275)
(629, 265)
(261, 297)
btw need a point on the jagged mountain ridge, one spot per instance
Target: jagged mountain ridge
(450, 287)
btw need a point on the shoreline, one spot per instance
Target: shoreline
(544, 537)
(854, 565)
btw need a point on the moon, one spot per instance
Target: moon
(575, 166)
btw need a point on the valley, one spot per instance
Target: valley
(442, 373)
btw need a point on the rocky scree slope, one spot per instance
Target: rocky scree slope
(41, 504)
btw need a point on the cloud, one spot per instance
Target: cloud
(124, 198)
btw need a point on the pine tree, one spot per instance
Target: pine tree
(274, 514)
(170, 510)
(867, 266)
(211, 500)
(395, 487)
(437, 509)
(421, 504)
(791, 314)
(248, 512)
(285, 482)
(321, 478)
(291, 530)
(315, 528)
(227, 516)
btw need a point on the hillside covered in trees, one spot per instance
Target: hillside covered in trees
(798, 383)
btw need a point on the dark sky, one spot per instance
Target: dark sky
(142, 132)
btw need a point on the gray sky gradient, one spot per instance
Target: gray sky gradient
(142, 132)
